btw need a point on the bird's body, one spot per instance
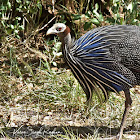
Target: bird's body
(108, 56)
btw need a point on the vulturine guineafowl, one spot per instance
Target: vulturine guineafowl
(107, 56)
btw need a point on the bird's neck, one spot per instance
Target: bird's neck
(66, 37)
(67, 40)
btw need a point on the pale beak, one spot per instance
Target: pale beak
(51, 31)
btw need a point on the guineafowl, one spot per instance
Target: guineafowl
(107, 57)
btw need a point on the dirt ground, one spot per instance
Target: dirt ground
(22, 122)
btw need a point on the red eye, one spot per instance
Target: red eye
(59, 29)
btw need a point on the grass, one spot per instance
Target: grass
(35, 92)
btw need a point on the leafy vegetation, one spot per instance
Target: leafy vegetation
(36, 84)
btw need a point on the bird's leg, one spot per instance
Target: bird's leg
(128, 103)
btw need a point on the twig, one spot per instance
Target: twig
(46, 24)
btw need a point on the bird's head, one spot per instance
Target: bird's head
(59, 29)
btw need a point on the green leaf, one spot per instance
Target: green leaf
(9, 31)
(18, 1)
(39, 5)
(2, 7)
(11, 26)
(27, 2)
(21, 27)
(121, 20)
(115, 1)
(76, 17)
(87, 25)
(95, 21)
(110, 20)
(96, 13)
(101, 18)
(57, 45)
(54, 64)
(96, 6)
(16, 22)
(3, 23)
(130, 7)
(17, 36)
(9, 5)
(18, 18)
(118, 15)
(16, 31)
